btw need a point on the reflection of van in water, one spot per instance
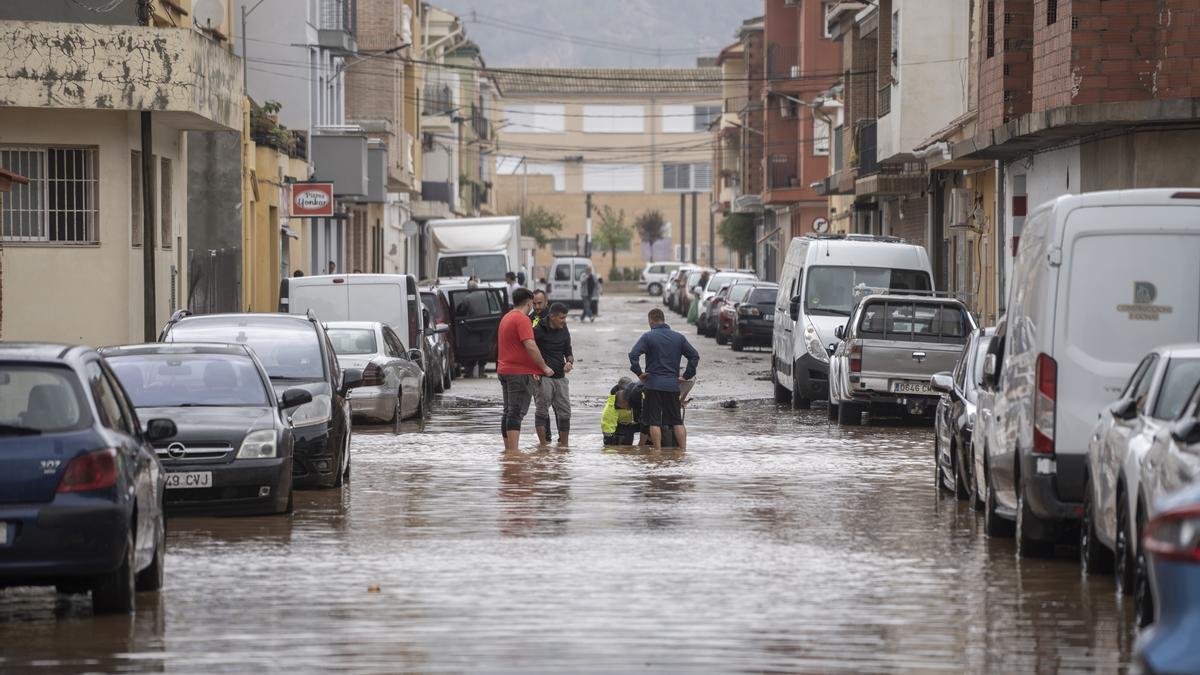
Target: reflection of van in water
(1100, 279)
(822, 279)
(391, 299)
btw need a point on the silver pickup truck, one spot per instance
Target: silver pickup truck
(889, 350)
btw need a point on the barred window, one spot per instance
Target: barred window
(1051, 12)
(59, 205)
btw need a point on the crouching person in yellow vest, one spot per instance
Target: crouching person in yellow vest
(619, 421)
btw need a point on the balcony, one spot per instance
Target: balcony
(893, 179)
(337, 26)
(437, 191)
(781, 172)
(190, 80)
(437, 99)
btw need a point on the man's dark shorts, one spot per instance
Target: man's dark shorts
(518, 391)
(661, 409)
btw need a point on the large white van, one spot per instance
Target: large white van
(392, 299)
(816, 294)
(565, 278)
(1099, 280)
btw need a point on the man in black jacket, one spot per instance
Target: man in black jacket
(554, 340)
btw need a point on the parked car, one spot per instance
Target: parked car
(81, 489)
(655, 276)
(475, 314)
(710, 311)
(1170, 465)
(441, 338)
(393, 383)
(722, 278)
(1099, 280)
(232, 453)
(821, 280)
(296, 353)
(995, 523)
(954, 421)
(565, 279)
(1172, 546)
(748, 320)
(674, 281)
(689, 289)
(1150, 403)
(889, 352)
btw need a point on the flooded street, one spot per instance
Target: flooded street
(777, 542)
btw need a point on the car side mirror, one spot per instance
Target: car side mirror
(160, 429)
(942, 382)
(352, 378)
(415, 355)
(294, 398)
(839, 332)
(1124, 409)
(989, 371)
(794, 308)
(1186, 431)
(441, 329)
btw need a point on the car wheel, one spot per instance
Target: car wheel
(738, 344)
(832, 411)
(849, 414)
(654, 289)
(974, 498)
(993, 524)
(1143, 601)
(439, 385)
(151, 578)
(960, 482)
(1123, 563)
(340, 472)
(937, 465)
(1094, 558)
(1028, 546)
(782, 395)
(424, 411)
(722, 339)
(113, 593)
(291, 502)
(447, 381)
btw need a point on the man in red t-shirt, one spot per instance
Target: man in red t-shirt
(519, 366)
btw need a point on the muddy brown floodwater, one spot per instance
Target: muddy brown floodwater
(777, 542)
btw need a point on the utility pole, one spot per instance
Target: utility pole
(682, 227)
(695, 241)
(587, 236)
(150, 321)
(712, 239)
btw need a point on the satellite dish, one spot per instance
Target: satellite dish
(209, 13)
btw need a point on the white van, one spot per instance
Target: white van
(1099, 280)
(392, 299)
(816, 294)
(564, 279)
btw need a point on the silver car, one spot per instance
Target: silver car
(1150, 402)
(393, 383)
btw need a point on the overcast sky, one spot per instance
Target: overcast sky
(614, 33)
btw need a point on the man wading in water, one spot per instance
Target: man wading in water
(663, 348)
(520, 366)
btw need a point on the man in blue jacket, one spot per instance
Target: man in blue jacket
(663, 349)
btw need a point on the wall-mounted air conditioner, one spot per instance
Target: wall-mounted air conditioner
(962, 204)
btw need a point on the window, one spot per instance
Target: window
(820, 136)
(1051, 11)
(353, 341)
(106, 399)
(165, 214)
(990, 39)
(688, 119)
(45, 398)
(534, 118)
(1178, 384)
(1142, 389)
(614, 178)
(914, 321)
(613, 119)
(288, 349)
(170, 380)
(705, 115)
(512, 166)
(59, 205)
(135, 198)
(687, 177)
(833, 291)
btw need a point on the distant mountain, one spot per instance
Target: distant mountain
(594, 33)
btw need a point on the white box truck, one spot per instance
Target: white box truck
(487, 248)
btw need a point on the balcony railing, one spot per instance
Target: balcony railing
(437, 100)
(782, 171)
(341, 15)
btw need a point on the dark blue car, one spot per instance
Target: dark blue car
(1172, 545)
(81, 490)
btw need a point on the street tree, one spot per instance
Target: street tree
(737, 233)
(650, 226)
(614, 235)
(541, 224)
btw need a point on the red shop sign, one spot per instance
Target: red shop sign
(312, 200)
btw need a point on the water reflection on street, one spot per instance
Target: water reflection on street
(776, 542)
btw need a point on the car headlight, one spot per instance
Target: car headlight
(258, 445)
(314, 412)
(813, 342)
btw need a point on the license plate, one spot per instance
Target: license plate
(183, 480)
(911, 388)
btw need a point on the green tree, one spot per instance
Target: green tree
(737, 233)
(614, 235)
(650, 226)
(541, 224)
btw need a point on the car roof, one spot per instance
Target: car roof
(246, 316)
(1189, 350)
(40, 351)
(177, 348)
(916, 297)
(371, 325)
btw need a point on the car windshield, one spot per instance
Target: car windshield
(835, 290)
(901, 320)
(475, 303)
(719, 280)
(487, 267)
(38, 399)
(1178, 383)
(981, 352)
(184, 380)
(739, 293)
(353, 341)
(434, 307)
(764, 296)
(288, 349)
